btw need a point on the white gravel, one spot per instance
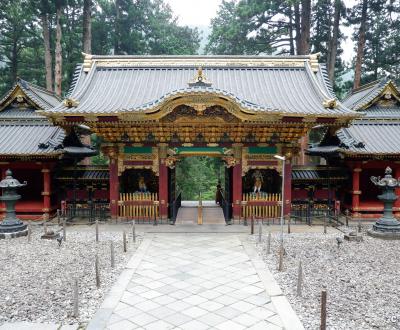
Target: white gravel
(36, 278)
(362, 279)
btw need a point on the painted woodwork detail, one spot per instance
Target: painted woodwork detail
(185, 113)
(253, 161)
(149, 161)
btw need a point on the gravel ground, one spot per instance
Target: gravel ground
(362, 279)
(36, 278)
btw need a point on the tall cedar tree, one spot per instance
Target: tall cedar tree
(87, 26)
(58, 49)
(360, 45)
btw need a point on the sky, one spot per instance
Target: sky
(200, 12)
(194, 12)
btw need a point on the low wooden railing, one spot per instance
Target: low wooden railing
(261, 205)
(139, 206)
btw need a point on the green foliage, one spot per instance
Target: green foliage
(249, 27)
(122, 27)
(194, 174)
(382, 44)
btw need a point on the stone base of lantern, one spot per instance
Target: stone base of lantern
(385, 229)
(12, 231)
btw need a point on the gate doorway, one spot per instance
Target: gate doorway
(203, 186)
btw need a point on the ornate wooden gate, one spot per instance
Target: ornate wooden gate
(261, 205)
(139, 206)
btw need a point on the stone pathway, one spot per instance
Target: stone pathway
(212, 214)
(195, 281)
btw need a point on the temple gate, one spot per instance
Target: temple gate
(152, 111)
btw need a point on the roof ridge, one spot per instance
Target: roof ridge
(42, 89)
(367, 85)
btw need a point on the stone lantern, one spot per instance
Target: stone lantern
(387, 226)
(11, 226)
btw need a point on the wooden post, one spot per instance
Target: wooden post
(76, 298)
(45, 227)
(112, 254)
(300, 280)
(29, 231)
(347, 213)
(325, 222)
(323, 310)
(252, 224)
(124, 240)
(64, 229)
(58, 216)
(133, 231)
(280, 266)
(96, 266)
(269, 243)
(200, 211)
(359, 225)
(97, 230)
(259, 231)
(288, 225)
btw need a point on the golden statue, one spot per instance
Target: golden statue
(142, 185)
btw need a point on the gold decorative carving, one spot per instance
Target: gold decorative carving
(330, 103)
(230, 161)
(70, 103)
(170, 161)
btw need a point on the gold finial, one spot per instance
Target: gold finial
(200, 79)
(200, 74)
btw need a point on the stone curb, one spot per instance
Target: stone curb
(100, 319)
(289, 318)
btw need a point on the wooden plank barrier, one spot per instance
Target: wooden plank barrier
(261, 206)
(138, 206)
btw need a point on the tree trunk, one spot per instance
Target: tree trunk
(360, 46)
(333, 43)
(48, 61)
(58, 52)
(87, 26)
(305, 27)
(117, 27)
(291, 38)
(14, 60)
(297, 25)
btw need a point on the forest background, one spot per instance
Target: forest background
(42, 41)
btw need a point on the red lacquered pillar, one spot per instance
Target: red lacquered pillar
(46, 192)
(237, 190)
(163, 188)
(356, 190)
(288, 188)
(114, 187)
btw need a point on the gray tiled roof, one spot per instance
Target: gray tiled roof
(20, 114)
(378, 112)
(292, 90)
(23, 131)
(379, 131)
(361, 96)
(317, 173)
(86, 173)
(371, 138)
(20, 140)
(40, 96)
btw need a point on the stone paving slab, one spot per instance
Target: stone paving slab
(195, 281)
(37, 326)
